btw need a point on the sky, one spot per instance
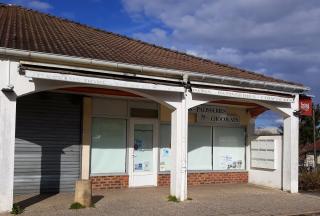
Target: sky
(272, 37)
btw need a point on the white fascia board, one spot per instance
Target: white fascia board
(101, 81)
(109, 72)
(204, 84)
(243, 95)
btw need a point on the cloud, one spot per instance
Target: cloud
(156, 34)
(229, 55)
(40, 5)
(313, 70)
(34, 4)
(277, 38)
(269, 119)
(222, 54)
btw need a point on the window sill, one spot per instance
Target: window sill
(108, 174)
(206, 171)
(215, 171)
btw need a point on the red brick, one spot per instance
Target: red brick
(118, 182)
(208, 178)
(109, 182)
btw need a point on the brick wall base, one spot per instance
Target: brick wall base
(109, 182)
(201, 178)
(217, 178)
(164, 180)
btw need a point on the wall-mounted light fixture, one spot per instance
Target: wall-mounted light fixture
(8, 88)
(297, 113)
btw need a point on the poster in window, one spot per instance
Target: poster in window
(165, 159)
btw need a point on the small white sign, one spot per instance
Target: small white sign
(309, 160)
(209, 109)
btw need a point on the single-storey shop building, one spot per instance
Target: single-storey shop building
(81, 103)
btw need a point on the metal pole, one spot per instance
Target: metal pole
(314, 139)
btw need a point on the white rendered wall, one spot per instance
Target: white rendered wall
(268, 177)
(289, 157)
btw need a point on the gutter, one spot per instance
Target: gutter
(140, 68)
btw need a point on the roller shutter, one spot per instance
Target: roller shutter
(48, 137)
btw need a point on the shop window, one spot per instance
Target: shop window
(108, 148)
(200, 148)
(165, 147)
(209, 148)
(228, 148)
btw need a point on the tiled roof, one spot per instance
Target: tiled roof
(26, 29)
(310, 147)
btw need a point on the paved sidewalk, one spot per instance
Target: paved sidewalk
(206, 200)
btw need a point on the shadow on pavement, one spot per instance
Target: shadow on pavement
(33, 200)
(311, 193)
(96, 199)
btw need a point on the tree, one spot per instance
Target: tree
(306, 127)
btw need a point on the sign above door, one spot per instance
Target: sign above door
(214, 114)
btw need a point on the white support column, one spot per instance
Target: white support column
(86, 137)
(7, 140)
(250, 133)
(179, 146)
(290, 149)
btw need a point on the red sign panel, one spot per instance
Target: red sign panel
(305, 106)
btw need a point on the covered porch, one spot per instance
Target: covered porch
(179, 99)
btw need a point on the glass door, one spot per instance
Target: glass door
(143, 148)
(144, 152)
